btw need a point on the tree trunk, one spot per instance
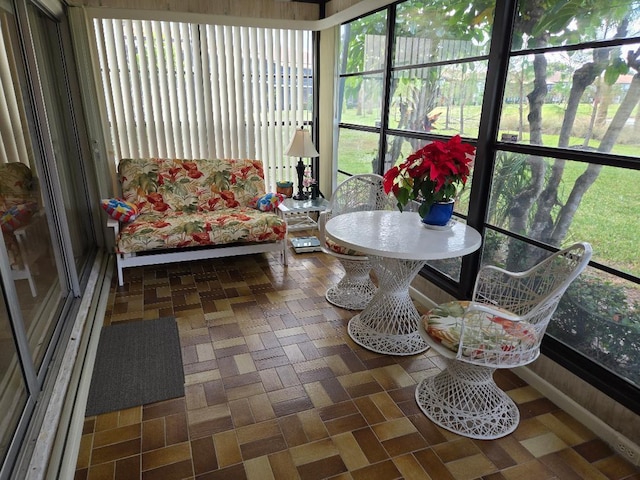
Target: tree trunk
(537, 98)
(565, 217)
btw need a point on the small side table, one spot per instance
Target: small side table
(299, 213)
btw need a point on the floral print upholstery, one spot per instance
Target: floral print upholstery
(334, 247)
(188, 203)
(487, 333)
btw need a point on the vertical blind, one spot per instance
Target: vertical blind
(180, 90)
(14, 138)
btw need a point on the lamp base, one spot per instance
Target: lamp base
(300, 171)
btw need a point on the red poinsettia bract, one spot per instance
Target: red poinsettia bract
(431, 174)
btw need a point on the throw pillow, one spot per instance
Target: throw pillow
(119, 209)
(268, 202)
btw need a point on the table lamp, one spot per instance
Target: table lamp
(301, 146)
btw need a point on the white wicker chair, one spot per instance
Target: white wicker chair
(358, 193)
(501, 327)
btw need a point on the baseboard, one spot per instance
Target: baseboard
(618, 442)
(68, 439)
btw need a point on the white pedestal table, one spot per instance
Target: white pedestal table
(398, 245)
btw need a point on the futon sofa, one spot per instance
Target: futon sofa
(194, 209)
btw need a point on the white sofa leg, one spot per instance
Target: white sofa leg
(119, 267)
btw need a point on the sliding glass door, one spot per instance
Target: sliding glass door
(47, 238)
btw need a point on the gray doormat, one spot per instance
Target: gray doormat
(136, 363)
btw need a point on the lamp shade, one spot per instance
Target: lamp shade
(301, 145)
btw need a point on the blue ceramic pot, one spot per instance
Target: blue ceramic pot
(439, 214)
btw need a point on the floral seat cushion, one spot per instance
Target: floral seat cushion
(484, 333)
(178, 229)
(334, 247)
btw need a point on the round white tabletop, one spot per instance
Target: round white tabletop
(398, 245)
(394, 234)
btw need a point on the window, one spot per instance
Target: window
(550, 98)
(180, 90)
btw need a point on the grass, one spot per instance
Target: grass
(607, 216)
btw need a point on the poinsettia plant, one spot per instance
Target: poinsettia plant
(432, 174)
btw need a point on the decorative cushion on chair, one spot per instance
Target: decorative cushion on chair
(484, 333)
(334, 247)
(119, 209)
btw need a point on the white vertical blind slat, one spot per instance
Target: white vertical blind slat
(172, 94)
(206, 91)
(125, 86)
(180, 94)
(135, 97)
(157, 138)
(223, 94)
(264, 114)
(111, 68)
(199, 118)
(216, 92)
(145, 87)
(255, 92)
(247, 91)
(163, 89)
(232, 145)
(17, 127)
(196, 91)
(241, 124)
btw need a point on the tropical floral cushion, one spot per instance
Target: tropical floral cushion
(334, 247)
(188, 186)
(177, 229)
(484, 334)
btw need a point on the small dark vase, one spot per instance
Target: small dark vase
(439, 214)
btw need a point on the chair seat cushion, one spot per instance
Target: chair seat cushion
(334, 247)
(484, 333)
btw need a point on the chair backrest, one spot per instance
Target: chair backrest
(520, 306)
(362, 192)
